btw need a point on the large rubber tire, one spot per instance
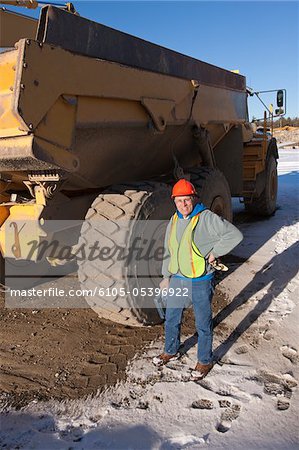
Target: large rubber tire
(213, 191)
(128, 211)
(265, 204)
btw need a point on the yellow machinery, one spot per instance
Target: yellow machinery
(90, 114)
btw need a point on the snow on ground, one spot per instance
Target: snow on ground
(249, 400)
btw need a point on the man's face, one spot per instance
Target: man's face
(185, 204)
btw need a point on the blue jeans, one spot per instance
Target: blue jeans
(200, 293)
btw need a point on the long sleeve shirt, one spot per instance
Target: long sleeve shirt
(213, 234)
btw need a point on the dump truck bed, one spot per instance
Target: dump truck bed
(80, 35)
(94, 113)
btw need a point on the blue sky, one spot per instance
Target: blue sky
(258, 38)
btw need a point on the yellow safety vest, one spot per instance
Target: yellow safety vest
(185, 256)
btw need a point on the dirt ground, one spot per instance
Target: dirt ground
(68, 353)
(71, 353)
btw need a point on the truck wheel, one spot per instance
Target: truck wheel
(265, 204)
(117, 219)
(213, 191)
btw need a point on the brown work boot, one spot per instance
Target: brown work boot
(162, 359)
(200, 371)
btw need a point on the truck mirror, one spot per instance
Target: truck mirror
(279, 111)
(279, 99)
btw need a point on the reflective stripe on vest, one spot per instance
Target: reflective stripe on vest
(185, 256)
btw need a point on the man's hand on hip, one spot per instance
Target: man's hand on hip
(211, 258)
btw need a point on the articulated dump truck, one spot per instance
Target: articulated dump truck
(96, 126)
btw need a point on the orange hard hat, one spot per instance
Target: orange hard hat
(183, 187)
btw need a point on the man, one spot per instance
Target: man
(194, 238)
